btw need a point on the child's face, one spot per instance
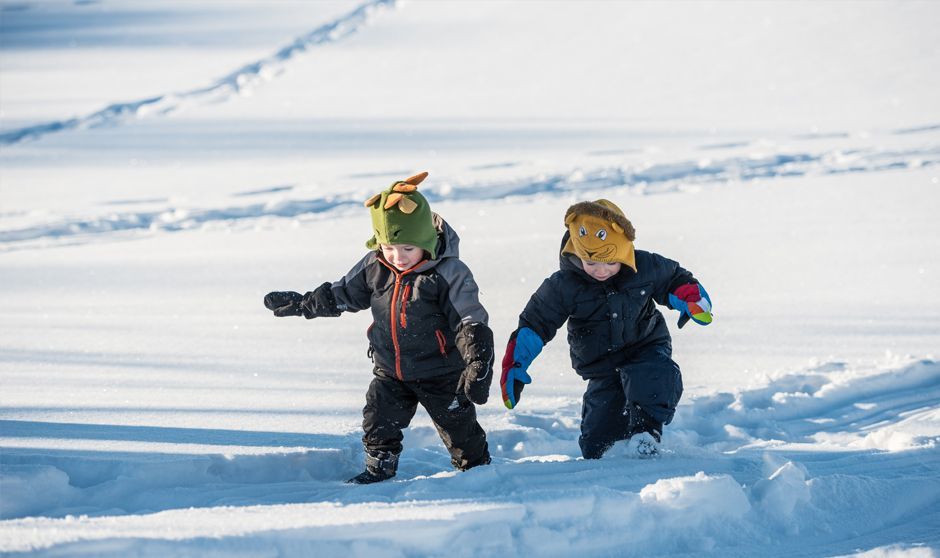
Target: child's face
(600, 270)
(402, 256)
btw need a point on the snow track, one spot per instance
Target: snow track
(638, 179)
(236, 82)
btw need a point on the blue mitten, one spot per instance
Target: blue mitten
(524, 345)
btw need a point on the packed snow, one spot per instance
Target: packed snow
(163, 165)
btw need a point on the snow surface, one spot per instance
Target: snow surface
(165, 164)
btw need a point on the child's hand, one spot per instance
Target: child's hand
(515, 377)
(475, 341)
(694, 303)
(524, 345)
(476, 380)
(284, 303)
(315, 304)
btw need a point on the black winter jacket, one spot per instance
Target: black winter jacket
(428, 320)
(608, 321)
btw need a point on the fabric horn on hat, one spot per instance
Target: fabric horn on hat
(416, 179)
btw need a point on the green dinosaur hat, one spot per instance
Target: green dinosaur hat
(401, 215)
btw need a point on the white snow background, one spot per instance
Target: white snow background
(165, 164)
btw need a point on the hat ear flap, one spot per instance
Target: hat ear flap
(616, 227)
(407, 205)
(373, 200)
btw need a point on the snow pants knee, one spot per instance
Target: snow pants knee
(391, 404)
(640, 395)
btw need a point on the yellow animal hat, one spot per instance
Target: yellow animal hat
(600, 232)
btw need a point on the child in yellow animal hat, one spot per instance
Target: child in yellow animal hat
(607, 291)
(429, 342)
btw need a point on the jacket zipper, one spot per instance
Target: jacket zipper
(398, 278)
(441, 342)
(404, 303)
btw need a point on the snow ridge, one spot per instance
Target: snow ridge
(235, 83)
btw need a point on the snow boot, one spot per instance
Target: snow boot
(645, 432)
(647, 445)
(380, 466)
(466, 467)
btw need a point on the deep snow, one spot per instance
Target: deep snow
(151, 406)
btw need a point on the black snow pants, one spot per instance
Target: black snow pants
(639, 396)
(392, 403)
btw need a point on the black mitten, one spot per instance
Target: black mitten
(320, 303)
(284, 303)
(475, 342)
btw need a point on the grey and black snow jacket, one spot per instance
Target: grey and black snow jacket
(609, 321)
(428, 319)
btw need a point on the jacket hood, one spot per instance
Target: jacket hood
(448, 243)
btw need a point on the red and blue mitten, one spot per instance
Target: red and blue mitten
(694, 303)
(524, 345)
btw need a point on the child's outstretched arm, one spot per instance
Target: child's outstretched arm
(547, 310)
(350, 294)
(314, 304)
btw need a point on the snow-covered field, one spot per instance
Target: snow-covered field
(165, 164)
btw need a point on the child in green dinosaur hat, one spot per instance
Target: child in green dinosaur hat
(430, 343)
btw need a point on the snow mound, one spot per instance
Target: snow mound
(788, 458)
